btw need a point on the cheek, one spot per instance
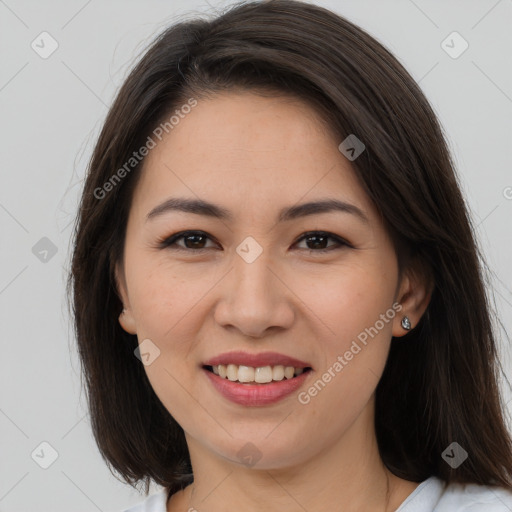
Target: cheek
(162, 296)
(354, 356)
(165, 306)
(349, 299)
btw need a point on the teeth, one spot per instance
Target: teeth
(260, 375)
(232, 372)
(289, 371)
(278, 372)
(245, 374)
(263, 375)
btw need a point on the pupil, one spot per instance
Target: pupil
(189, 237)
(313, 237)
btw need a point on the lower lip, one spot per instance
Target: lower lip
(256, 394)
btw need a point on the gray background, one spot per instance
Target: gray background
(51, 111)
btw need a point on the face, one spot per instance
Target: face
(306, 284)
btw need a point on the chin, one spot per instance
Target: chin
(264, 452)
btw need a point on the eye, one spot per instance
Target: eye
(193, 240)
(196, 241)
(319, 239)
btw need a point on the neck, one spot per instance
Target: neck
(348, 475)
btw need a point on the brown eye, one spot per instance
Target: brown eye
(192, 240)
(317, 241)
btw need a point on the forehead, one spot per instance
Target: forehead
(249, 150)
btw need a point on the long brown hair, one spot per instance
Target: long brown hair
(440, 383)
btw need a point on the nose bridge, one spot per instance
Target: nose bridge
(252, 277)
(253, 298)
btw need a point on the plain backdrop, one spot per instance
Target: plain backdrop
(51, 110)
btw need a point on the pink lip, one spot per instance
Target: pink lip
(256, 394)
(256, 360)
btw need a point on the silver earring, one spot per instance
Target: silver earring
(406, 323)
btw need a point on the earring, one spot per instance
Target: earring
(406, 323)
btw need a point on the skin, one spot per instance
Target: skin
(253, 156)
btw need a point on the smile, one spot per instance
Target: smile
(259, 375)
(257, 379)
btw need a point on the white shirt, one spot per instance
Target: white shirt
(429, 496)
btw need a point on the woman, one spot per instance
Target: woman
(277, 292)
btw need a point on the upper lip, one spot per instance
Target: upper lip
(241, 358)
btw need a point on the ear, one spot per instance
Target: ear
(414, 294)
(126, 318)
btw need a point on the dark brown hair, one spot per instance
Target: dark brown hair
(440, 383)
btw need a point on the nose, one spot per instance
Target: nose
(255, 299)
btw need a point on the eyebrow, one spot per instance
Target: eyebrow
(202, 207)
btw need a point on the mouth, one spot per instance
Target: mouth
(256, 375)
(256, 379)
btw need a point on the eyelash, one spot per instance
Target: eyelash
(170, 242)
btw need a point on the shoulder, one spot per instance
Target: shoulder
(433, 495)
(153, 503)
(475, 498)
